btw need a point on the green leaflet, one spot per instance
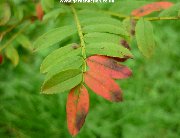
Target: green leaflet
(53, 14)
(47, 4)
(102, 37)
(108, 49)
(125, 7)
(5, 13)
(19, 12)
(172, 11)
(100, 20)
(90, 6)
(62, 81)
(59, 55)
(71, 62)
(105, 28)
(12, 54)
(54, 36)
(24, 41)
(145, 37)
(91, 13)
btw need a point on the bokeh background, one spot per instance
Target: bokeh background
(151, 106)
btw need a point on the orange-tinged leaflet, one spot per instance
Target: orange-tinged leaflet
(77, 108)
(39, 11)
(108, 66)
(103, 85)
(149, 8)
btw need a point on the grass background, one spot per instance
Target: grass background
(151, 106)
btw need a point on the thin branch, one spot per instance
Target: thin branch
(13, 37)
(121, 16)
(7, 31)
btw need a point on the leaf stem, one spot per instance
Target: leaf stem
(80, 32)
(121, 16)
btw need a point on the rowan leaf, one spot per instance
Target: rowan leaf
(53, 14)
(12, 54)
(18, 12)
(100, 20)
(91, 13)
(5, 13)
(108, 66)
(152, 7)
(54, 36)
(77, 108)
(103, 85)
(47, 4)
(172, 11)
(105, 28)
(39, 11)
(125, 7)
(108, 49)
(59, 55)
(145, 37)
(24, 41)
(97, 37)
(71, 62)
(62, 81)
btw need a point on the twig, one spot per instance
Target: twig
(121, 16)
(13, 37)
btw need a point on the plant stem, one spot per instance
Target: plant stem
(13, 37)
(80, 32)
(121, 16)
(7, 31)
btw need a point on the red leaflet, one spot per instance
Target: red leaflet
(77, 108)
(149, 8)
(108, 66)
(39, 11)
(1, 59)
(103, 85)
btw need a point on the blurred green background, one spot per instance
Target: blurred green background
(151, 106)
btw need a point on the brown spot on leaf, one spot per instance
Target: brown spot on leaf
(80, 119)
(116, 96)
(125, 44)
(133, 32)
(119, 59)
(75, 46)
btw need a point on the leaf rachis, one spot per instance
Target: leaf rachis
(80, 33)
